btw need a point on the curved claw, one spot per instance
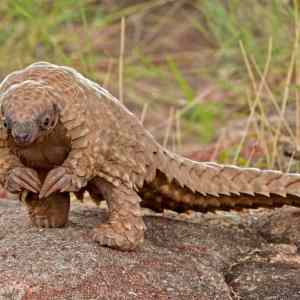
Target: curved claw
(21, 178)
(55, 181)
(59, 180)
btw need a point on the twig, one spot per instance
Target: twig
(297, 73)
(213, 156)
(257, 89)
(144, 112)
(284, 104)
(121, 60)
(178, 134)
(168, 130)
(108, 73)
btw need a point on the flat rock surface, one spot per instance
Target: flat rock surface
(249, 255)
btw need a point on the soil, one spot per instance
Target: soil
(247, 255)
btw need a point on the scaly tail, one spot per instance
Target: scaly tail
(181, 184)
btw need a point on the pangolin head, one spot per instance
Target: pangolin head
(29, 111)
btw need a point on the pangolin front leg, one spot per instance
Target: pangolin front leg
(77, 169)
(14, 176)
(22, 178)
(61, 179)
(50, 211)
(125, 227)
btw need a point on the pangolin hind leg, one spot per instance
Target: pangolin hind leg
(125, 227)
(51, 211)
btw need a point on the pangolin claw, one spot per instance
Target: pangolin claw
(59, 180)
(23, 179)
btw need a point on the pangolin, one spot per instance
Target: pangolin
(61, 132)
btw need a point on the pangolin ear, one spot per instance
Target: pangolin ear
(56, 108)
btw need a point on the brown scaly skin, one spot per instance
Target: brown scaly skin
(61, 132)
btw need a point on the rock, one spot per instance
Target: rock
(7, 195)
(192, 256)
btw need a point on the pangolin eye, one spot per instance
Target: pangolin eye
(6, 123)
(46, 122)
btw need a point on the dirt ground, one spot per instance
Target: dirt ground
(248, 255)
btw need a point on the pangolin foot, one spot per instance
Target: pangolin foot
(48, 212)
(125, 237)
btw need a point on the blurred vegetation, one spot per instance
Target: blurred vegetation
(189, 67)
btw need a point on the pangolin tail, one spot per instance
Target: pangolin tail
(181, 184)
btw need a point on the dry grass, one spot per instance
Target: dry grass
(188, 68)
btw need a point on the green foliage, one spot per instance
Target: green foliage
(251, 22)
(158, 67)
(182, 82)
(227, 156)
(202, 114)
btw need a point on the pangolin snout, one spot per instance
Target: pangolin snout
(23, 132)
(22, 137)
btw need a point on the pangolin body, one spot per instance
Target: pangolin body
(61, 133)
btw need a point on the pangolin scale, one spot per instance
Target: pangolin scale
(61, 133)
